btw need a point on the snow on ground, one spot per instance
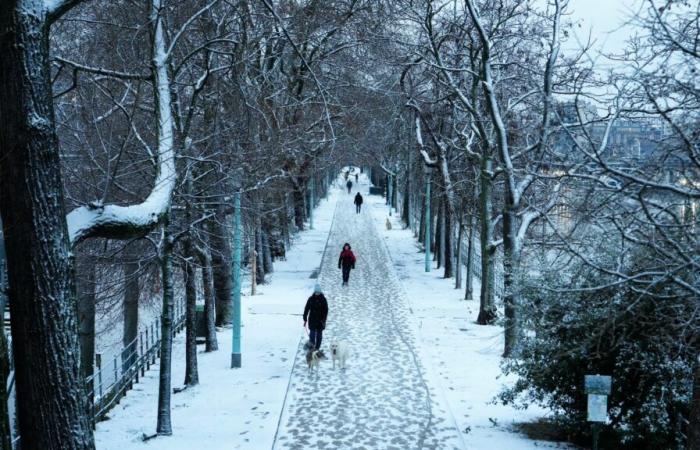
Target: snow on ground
(462, 358)
(382, 399)
(421, 373)
(232, 409)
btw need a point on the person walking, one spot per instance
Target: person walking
(316, 313)
(349, 185)
(346, 262)
(357, 177)
(358, 203)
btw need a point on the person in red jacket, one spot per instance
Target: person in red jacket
(346, 262)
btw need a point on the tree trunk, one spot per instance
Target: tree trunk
(209, 303)
(440, 234)
(458, 256)
(132, 293)
(299, 200)
(469, 276)
(221, 265)
(5, 433)
(511, 269)
(448, 240)
(487, 306)
(406, 210)
(85, 286)
(259, 264)
(694, 418)
(52, 404)
(164, 426)
(266, 251)
(421, 224)
(191, 373)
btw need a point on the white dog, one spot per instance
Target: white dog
(339, 351)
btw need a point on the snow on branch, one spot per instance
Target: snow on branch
(419, 138)
(115, 221)
(57, 8)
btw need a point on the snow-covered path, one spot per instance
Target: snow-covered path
(382, 399)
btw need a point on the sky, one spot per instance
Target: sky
(605, 20)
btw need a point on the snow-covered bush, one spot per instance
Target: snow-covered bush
(638, 335)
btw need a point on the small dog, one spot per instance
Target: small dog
(339, 351)
(312, 359)
(388, 224)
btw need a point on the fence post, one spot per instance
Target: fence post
(116, 370)
(143, 355)
(98, 363)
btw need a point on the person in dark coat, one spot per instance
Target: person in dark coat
(346, 262)
(316, 313)
(349, 185)
(358, 203)
(357, 178)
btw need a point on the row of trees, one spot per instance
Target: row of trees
(127, 127)
(578, 189)
(164, 110)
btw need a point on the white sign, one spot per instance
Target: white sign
(597, 408)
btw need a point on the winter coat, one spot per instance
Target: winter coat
(349, 185)
(316, 311)
(358, 199)
(347, 258)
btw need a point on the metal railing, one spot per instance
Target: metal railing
(110, 382)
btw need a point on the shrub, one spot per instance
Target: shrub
(639, 336)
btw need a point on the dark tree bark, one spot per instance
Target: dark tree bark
(191, 372)
(221, 265)
(458, 255)
(511, 274)
(469, 276)
(694, 418)
(5, 434)
(132, 292)
(259, 264)
(487, 306)
(299, 200)
(86, 314)
(406, 210)
(266, 251)
(439, 234)
(52, 403)
(164, 426)
(209, 301)
(448, 240)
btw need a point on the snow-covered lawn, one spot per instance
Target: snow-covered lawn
(421, 373)
(461, 358)
(232, 409)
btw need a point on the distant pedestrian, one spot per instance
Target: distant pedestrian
(349, 185)
(346, 262)
(358, 203)
(316, 313)
(357, 177)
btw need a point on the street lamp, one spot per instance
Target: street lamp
(236, 275)
(427, 220)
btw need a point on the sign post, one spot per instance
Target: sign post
(598, 388)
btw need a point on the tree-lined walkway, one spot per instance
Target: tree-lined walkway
(382, 399)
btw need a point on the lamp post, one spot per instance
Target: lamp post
(236, 275)
(427, 221)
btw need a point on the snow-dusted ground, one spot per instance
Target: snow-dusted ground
(461, 357)
(382, 399)
(421, 373)
(232, 408)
